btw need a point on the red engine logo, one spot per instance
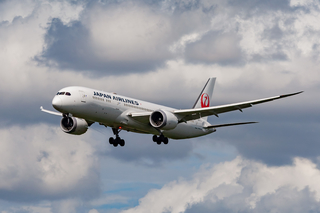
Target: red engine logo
(205, 102)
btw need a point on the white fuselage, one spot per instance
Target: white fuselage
(113, 110)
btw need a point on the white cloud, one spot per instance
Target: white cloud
(66, 206)
(93, 211)
(40, 162)
(252, 183)
(11, 9)
(33, 209)
(109, 199)
(23, 38)
(214, 48)
(295, 3)
(183, 41)
(128, 32)
(292, 33)
(16, 8)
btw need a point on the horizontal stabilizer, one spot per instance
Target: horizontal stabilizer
(231, 124)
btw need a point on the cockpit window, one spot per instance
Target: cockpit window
(64, 93)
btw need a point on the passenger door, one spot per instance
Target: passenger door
(83, 96)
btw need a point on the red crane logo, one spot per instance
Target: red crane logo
(205, 102)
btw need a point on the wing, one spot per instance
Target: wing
(51, 112)
(192, 114)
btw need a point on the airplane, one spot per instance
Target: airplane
(80, 107)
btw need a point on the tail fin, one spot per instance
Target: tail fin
(204, 99)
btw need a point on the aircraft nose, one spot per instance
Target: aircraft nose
(56, 102)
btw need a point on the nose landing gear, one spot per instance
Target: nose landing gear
(116, 141)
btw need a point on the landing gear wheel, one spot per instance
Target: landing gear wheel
(160, 139)
(155, 138)
(165, 140)
(116, 141)
(111, 140)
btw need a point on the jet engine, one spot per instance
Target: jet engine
(72, 125)
(164, 120)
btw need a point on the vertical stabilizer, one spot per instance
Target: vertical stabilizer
(205, 97)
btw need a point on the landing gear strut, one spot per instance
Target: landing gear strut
(116, 141)
(160, 139)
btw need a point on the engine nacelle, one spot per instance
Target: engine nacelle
(164, 120)
(72, 125)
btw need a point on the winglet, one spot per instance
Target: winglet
(287, 95)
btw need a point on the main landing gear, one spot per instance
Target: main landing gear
(160, 139)
(116, 141)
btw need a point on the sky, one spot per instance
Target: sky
(163, 52)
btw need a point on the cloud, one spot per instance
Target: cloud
(110, 39)
(214, 47)
(39, 163)
(136, 37)
(254, 7)
(239, 186)
(67, 205)
(22, 38)
(280, 35)
(141, 150)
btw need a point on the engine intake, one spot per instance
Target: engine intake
(162, 119)
(72, 125)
